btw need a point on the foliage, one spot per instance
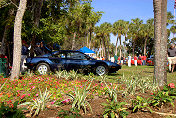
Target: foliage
(38, 104)
(167, 95)
(71, 75)
(79, 97)
(29, 73)
(114, 110)
(2, 85)
(140, 103)
(112, 92)
(11, 111)
(73, 113)
(138, 84)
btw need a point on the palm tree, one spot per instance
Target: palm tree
(146, 32)
(173, 30)
(118, 29)
(126, 28)
(160, 36)
(133, 32)
(92, 19)
(103, 33)
(106, 29)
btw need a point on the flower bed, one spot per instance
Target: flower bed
(50, 96)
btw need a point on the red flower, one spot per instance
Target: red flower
(151, 93)
(171, 85)
(66, 101)
(23, 96)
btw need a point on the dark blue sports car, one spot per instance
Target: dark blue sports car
(70, 60)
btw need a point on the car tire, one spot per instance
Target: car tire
(43, 68)
(101, 70)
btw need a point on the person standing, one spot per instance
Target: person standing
(144, 60)
(24, 53)
(140, 59)
(38, 50)
(135, 60)
(115, 58)
(129, 60)
(172, 57)
(112, 59)
(122, 60)
(119, 62)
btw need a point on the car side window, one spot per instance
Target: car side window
(76, 55)
(60, 55)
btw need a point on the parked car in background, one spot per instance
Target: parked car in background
(70, 60)
(150, 60)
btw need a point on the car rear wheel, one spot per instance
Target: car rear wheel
(101, 70)
(43, 68)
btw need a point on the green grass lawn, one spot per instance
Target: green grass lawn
(139, 71)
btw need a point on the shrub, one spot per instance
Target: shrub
(11, 111)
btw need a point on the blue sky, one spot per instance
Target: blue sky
(126, 9)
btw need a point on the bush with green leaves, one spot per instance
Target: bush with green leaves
(79, 96)
(114, 110)
(170, 88)
(11, 111)
(162, 97)
(38, 104)
(141, 103)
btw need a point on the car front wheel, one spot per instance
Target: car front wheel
(43, 68)
(101, 70)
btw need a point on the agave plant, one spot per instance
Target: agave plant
(136, 84)
(29, 73)
(39, 104)
(73, 75)
(112, 92)
(59, 74)
(79, 97)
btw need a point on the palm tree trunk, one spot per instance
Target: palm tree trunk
(133, 47)
(145, 46)
(105, 51)
(108, 50)
(100, 50)
(116, 46)
(17, 40)
(160, 12)
(163, 54)
(120, 46)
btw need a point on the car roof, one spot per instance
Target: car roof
(55, 52)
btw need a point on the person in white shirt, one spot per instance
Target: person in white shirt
(129, 60)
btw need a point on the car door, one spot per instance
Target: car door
(59, 60)
(76, 60)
